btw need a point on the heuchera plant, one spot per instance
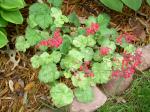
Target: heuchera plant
(87, 56)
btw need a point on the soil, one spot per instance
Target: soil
(20, 90)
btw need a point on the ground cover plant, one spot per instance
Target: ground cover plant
(9, 12)
(87, 55)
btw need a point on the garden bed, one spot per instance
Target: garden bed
(20, 88)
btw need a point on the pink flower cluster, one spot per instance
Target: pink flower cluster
(129, 64)
(85, 67)
(128, 38)
(56, 41)
(92, 29)
(104, 51)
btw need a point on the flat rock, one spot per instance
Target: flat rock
(99, 100)
(116, 86)
(145, 58)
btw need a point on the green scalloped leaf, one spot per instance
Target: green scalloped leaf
(79, 80)
(35, 61)
(33, 36)
(130, 48)
(56, 3)
(40, 17)
(60, 21)
(55, 56)
(66, 45)
(31, 22)
(55, 12)
(45, 58)
(102, 39)
(70, 63)
(61, 95)
(76, 54)
(84, 95)
(107, 32)
(80, 41)
(91, 19)
(90, 41)
(97, 57)
(117, 64)
(109, 44)
(59, 18)
(103, 20)
(102, 71)
(81, 31)
(88, 53)
(48, 73)
(73, 18)
(21, 44)
(67, 74)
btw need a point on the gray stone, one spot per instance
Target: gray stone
(145, 58)
(116, 86)
(99, 100)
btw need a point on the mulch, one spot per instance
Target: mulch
(20, 90)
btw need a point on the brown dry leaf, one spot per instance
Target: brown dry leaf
(4, 91)
(138, 29)
(17, 86)
(14, 107)
(21, 82)
(25, 98)
(45, 110)
(21, 109)
(121, 100)
(11, 85)
(29, 86)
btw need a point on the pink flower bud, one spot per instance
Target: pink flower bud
(95, 26)
(92, 29)
(104, 51)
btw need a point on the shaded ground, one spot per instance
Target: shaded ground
(20, 89)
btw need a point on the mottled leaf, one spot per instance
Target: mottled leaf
(79, 80)
(21, 44)
(102, 71)
(61, 95)
(48, 73)
(80, 41)
(88, 53)
(103, 20)
(56, 3)
(40, 17)
(73, 18)
(84, 95)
